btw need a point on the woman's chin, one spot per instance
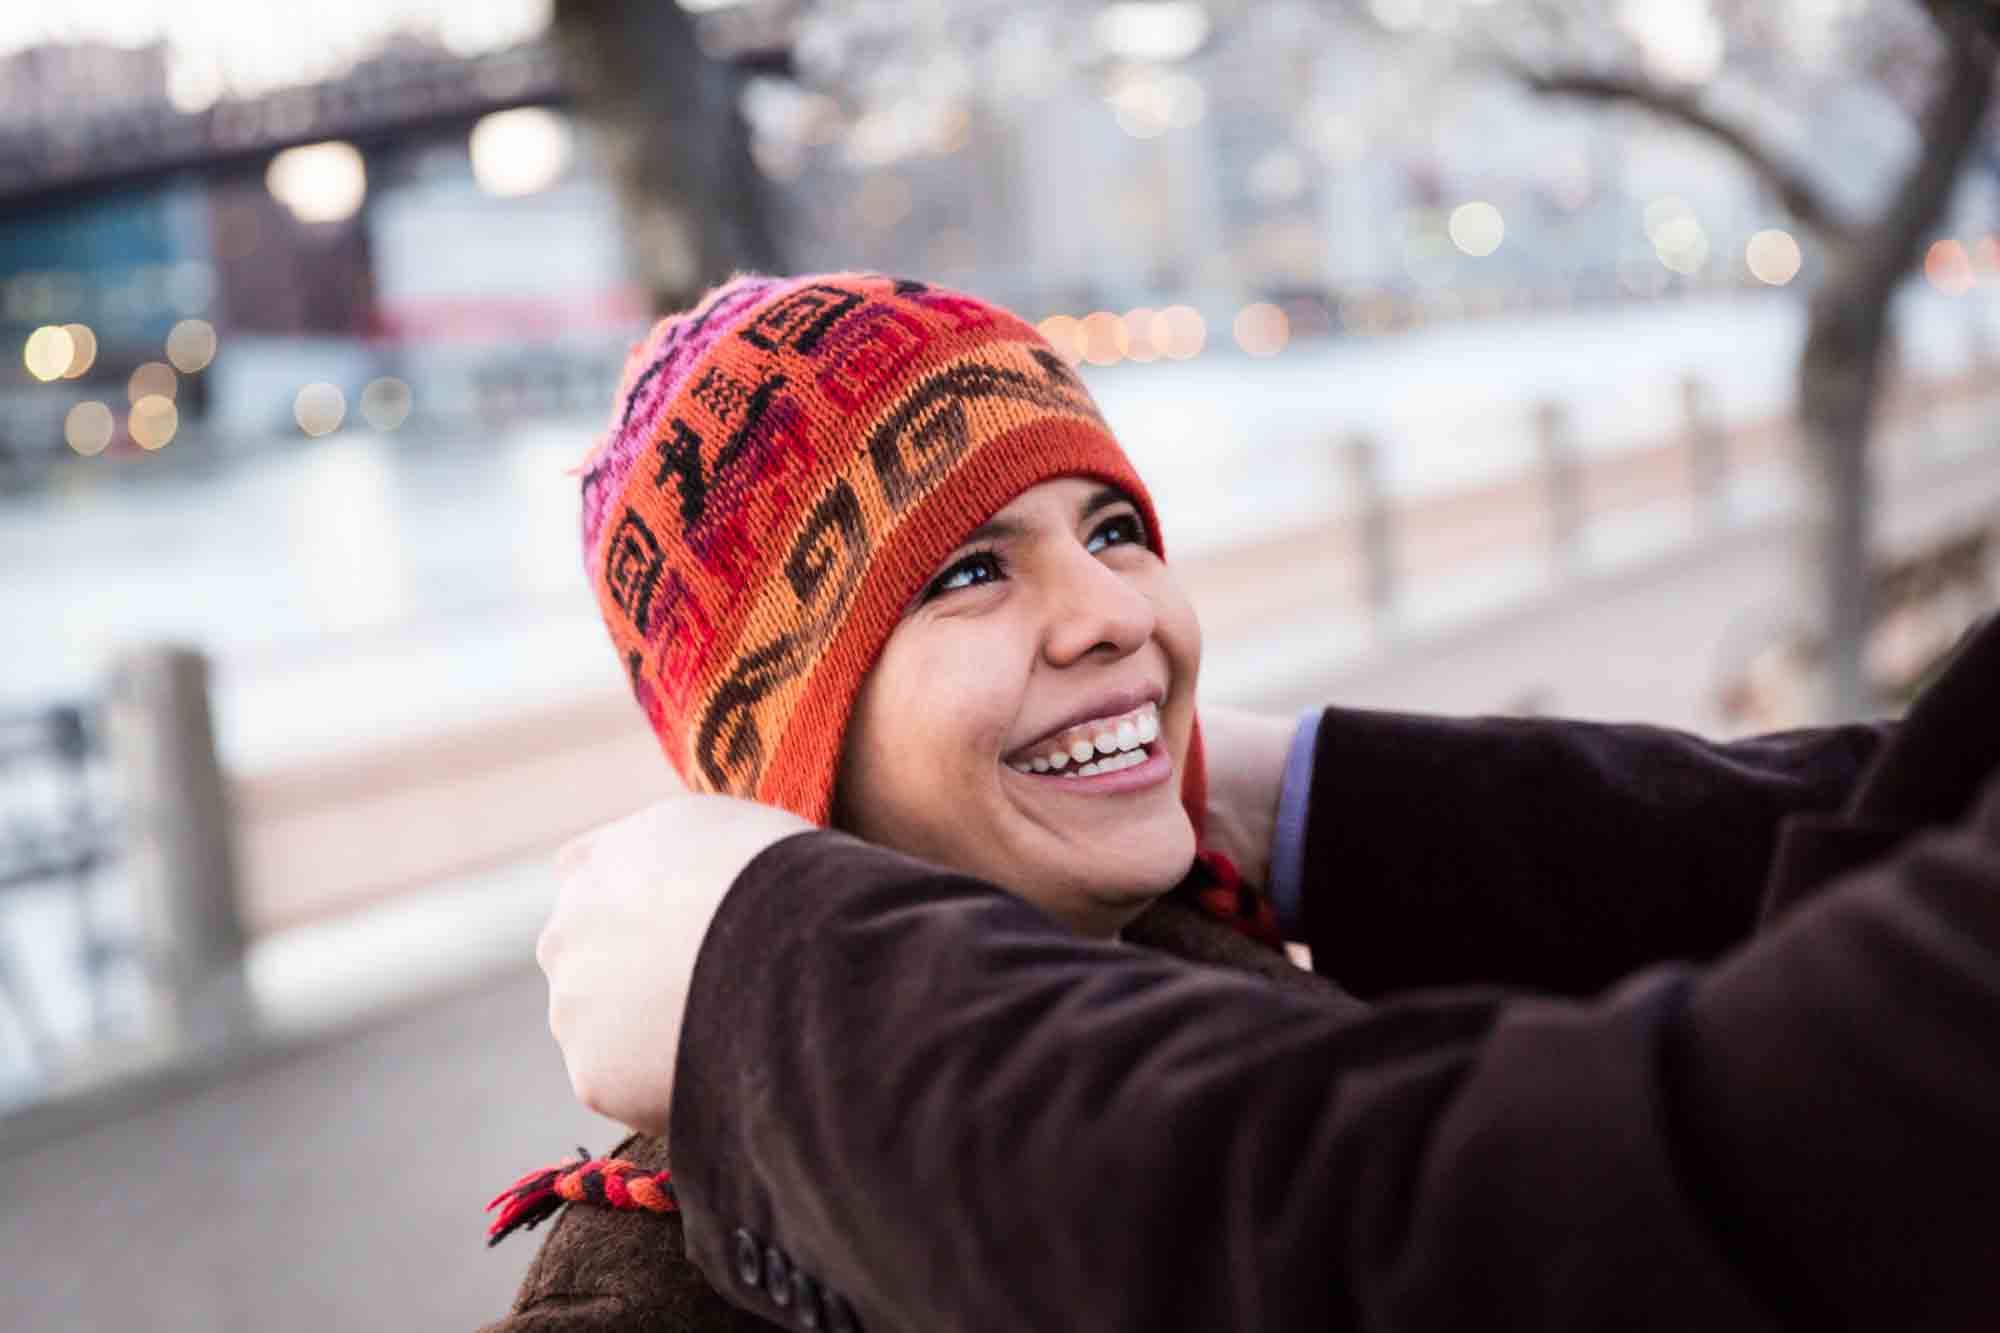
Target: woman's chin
(1156, 859)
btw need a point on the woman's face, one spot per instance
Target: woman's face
(1051, 631)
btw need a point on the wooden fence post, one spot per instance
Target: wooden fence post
(180, 857)
(1375, 525)
(1707, 452)
(1561, 484)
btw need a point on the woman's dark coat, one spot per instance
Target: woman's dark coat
(1639, 1030)
(601, 1270)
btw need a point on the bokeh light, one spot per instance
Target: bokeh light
(1140, 344)
(1679, 42)
(83, 350)
(89, 427)
(1065, 335)
(1186, 332)
(385, 402)
(520, 151)
(154, 379)
(1104, 338)
(1152, 30)
(1659, 212)
(319, 182)
(1949, 268)
(153, 421)
(1773, 257)
(1477, 228)
(1684, 246)
(1262, 329)
(191, 345)
(1678, 238)
(48, 352)
(319, 408)
(1148, 102)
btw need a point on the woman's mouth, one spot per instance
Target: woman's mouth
(1101, 756)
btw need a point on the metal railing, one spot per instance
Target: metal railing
(59, 831)
(118, 879)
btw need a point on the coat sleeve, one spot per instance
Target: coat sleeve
(966, 1118)
(1552, 854)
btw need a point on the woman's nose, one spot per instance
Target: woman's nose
(1093, 608)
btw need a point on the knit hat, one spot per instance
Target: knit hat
(786, 466)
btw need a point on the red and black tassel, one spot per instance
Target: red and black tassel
(1219, 890)
(611, 1182)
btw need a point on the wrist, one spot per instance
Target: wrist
(1245, 754)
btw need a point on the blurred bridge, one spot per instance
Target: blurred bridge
(125, 140)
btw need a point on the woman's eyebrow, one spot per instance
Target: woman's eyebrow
(1003, 528)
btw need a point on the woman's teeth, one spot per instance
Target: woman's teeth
(1111, 765)
(1120, 740)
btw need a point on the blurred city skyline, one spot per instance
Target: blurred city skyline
(1157, 181)
(241, 48)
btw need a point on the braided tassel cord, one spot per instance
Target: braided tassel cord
(1220, 891)
(611, 1182)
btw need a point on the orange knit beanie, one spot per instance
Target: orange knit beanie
(785, 467)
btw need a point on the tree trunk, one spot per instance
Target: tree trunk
(695, 205)
(1840, 374)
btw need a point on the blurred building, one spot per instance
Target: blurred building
(441, 238)
(352, 229)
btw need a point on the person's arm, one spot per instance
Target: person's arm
(925, 1092)
(1549, 853)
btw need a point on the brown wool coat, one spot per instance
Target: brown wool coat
(601, 1270)
(1666, 1034)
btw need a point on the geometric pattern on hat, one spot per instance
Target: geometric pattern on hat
(784, 468)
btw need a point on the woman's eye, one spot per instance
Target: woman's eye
(987, 567)
(979, 567)
(1128, 526)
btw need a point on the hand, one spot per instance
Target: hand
(1245, 753)
(619, 947)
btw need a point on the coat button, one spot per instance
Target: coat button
(805, 1295)
(749, 1257)
(777, 1277)
(840, 1315)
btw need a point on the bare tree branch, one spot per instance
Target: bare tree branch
(1799, 195)
(1986, 13)
(1951, 125)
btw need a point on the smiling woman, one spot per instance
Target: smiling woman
(869, 553)
(1063, 639)
(865, 538)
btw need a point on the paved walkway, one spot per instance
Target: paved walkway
(336, 1187)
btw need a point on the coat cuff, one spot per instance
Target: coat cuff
(1288, 841)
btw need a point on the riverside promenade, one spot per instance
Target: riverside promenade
(332, 1178)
